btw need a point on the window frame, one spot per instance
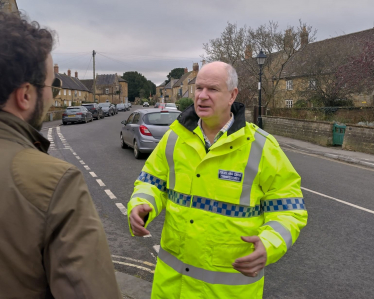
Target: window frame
(289, 85)
(289, 103)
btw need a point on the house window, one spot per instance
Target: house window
(64, 92)
(106, 90)
(289, 85)
(56, 103)
(180, 91)
(289, 103)
(80, 93)
(312, 84)
(75, 93)
(191, 89)
(59, 93)
(69, 92)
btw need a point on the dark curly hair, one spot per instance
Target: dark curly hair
(24, 48)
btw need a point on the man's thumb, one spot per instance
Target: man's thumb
(250, 239)
(147, 208)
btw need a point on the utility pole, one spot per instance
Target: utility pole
(94, 76)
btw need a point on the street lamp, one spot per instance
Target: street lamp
(261, 57)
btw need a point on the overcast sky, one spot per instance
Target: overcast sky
(155, 36)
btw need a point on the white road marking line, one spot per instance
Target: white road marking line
(156, 248)
(131, 265)
(74, 154)
(100, 182)
(153, 256)
(93, 174)
(122, 208)
(147, 236)
(339, 200)
(133, 260)
(78, 157)
(87, 168)
(81, 161)
(110, 194)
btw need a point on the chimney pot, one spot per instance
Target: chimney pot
(69, 73)
(76, 75)
(195, 67)
(304, 37)
(185, 70)
(56, 68)
(248, 52)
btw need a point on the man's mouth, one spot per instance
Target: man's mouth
(203, 107)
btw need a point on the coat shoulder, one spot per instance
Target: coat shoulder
(37, 175)
(254, 128)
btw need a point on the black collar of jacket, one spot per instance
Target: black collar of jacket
(25, 130)
(188, 118)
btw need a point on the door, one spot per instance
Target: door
(134, 128)
(126, 130)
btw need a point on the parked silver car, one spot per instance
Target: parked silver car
(144, 128)
(76, 114)
(107, 109)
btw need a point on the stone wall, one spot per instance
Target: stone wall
(53, 115)
(359, 138)
(317, 132)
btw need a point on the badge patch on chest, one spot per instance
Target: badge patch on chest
(228, 175)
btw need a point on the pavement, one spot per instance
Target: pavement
(336, 152)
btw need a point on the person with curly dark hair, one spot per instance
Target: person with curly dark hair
(52, 242)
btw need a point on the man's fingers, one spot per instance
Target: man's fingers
(136, 219)
(139, 230)
(249, 258)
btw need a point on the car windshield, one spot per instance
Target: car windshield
(160, 118)
(88, 106)
(170, 105)
(104, 104)
(73, 109)
(120, 105)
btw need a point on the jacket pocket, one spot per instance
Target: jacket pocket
(171, 239)
(228, 192)
(224, 255)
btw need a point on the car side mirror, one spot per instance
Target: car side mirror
(124, 122)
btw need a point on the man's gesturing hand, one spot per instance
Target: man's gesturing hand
(251, 264)
(137, 219)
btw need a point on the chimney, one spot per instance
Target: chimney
(195, 67)
(203, 62)
(76, 75)
(69, 73)
(56, 68)
(304, 37)
(185, 70)
(288, 40)
(248, 52)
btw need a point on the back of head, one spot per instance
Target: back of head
(24, 48)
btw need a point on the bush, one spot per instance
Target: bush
(183, 103)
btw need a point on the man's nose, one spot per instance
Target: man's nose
(203, 94)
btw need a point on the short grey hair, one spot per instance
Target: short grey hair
(232, 76)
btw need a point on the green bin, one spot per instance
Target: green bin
(338, 132)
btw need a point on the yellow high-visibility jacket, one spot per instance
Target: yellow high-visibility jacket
(243, 186)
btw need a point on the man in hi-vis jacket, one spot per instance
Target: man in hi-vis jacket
(232, 198)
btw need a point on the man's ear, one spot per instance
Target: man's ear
(24, 96)
(234, 94)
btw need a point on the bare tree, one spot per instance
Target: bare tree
(240, 46)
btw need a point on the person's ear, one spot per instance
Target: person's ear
(24, 96)
(233, 95)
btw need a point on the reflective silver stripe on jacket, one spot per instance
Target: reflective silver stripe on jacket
(153, 180)
(283, 204)
(280, 229)
(214, 206)
(169, 151)
(212, 277)
(251, 169)
(148, 197)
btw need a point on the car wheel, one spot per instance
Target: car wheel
(123, 144)
(85, 119)
(137, 154)
(64, 123)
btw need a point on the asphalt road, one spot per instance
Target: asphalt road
(333, 257)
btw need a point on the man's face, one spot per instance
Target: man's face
(44, 98)
(213, 100)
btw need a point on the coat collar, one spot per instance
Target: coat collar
(25, 130)
(188, 118)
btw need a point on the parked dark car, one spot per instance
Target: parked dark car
(95, 109)
(107, 109)
(122, 107)
(144, 128)
(76, 114)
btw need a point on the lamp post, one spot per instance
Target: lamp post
(260, 60)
